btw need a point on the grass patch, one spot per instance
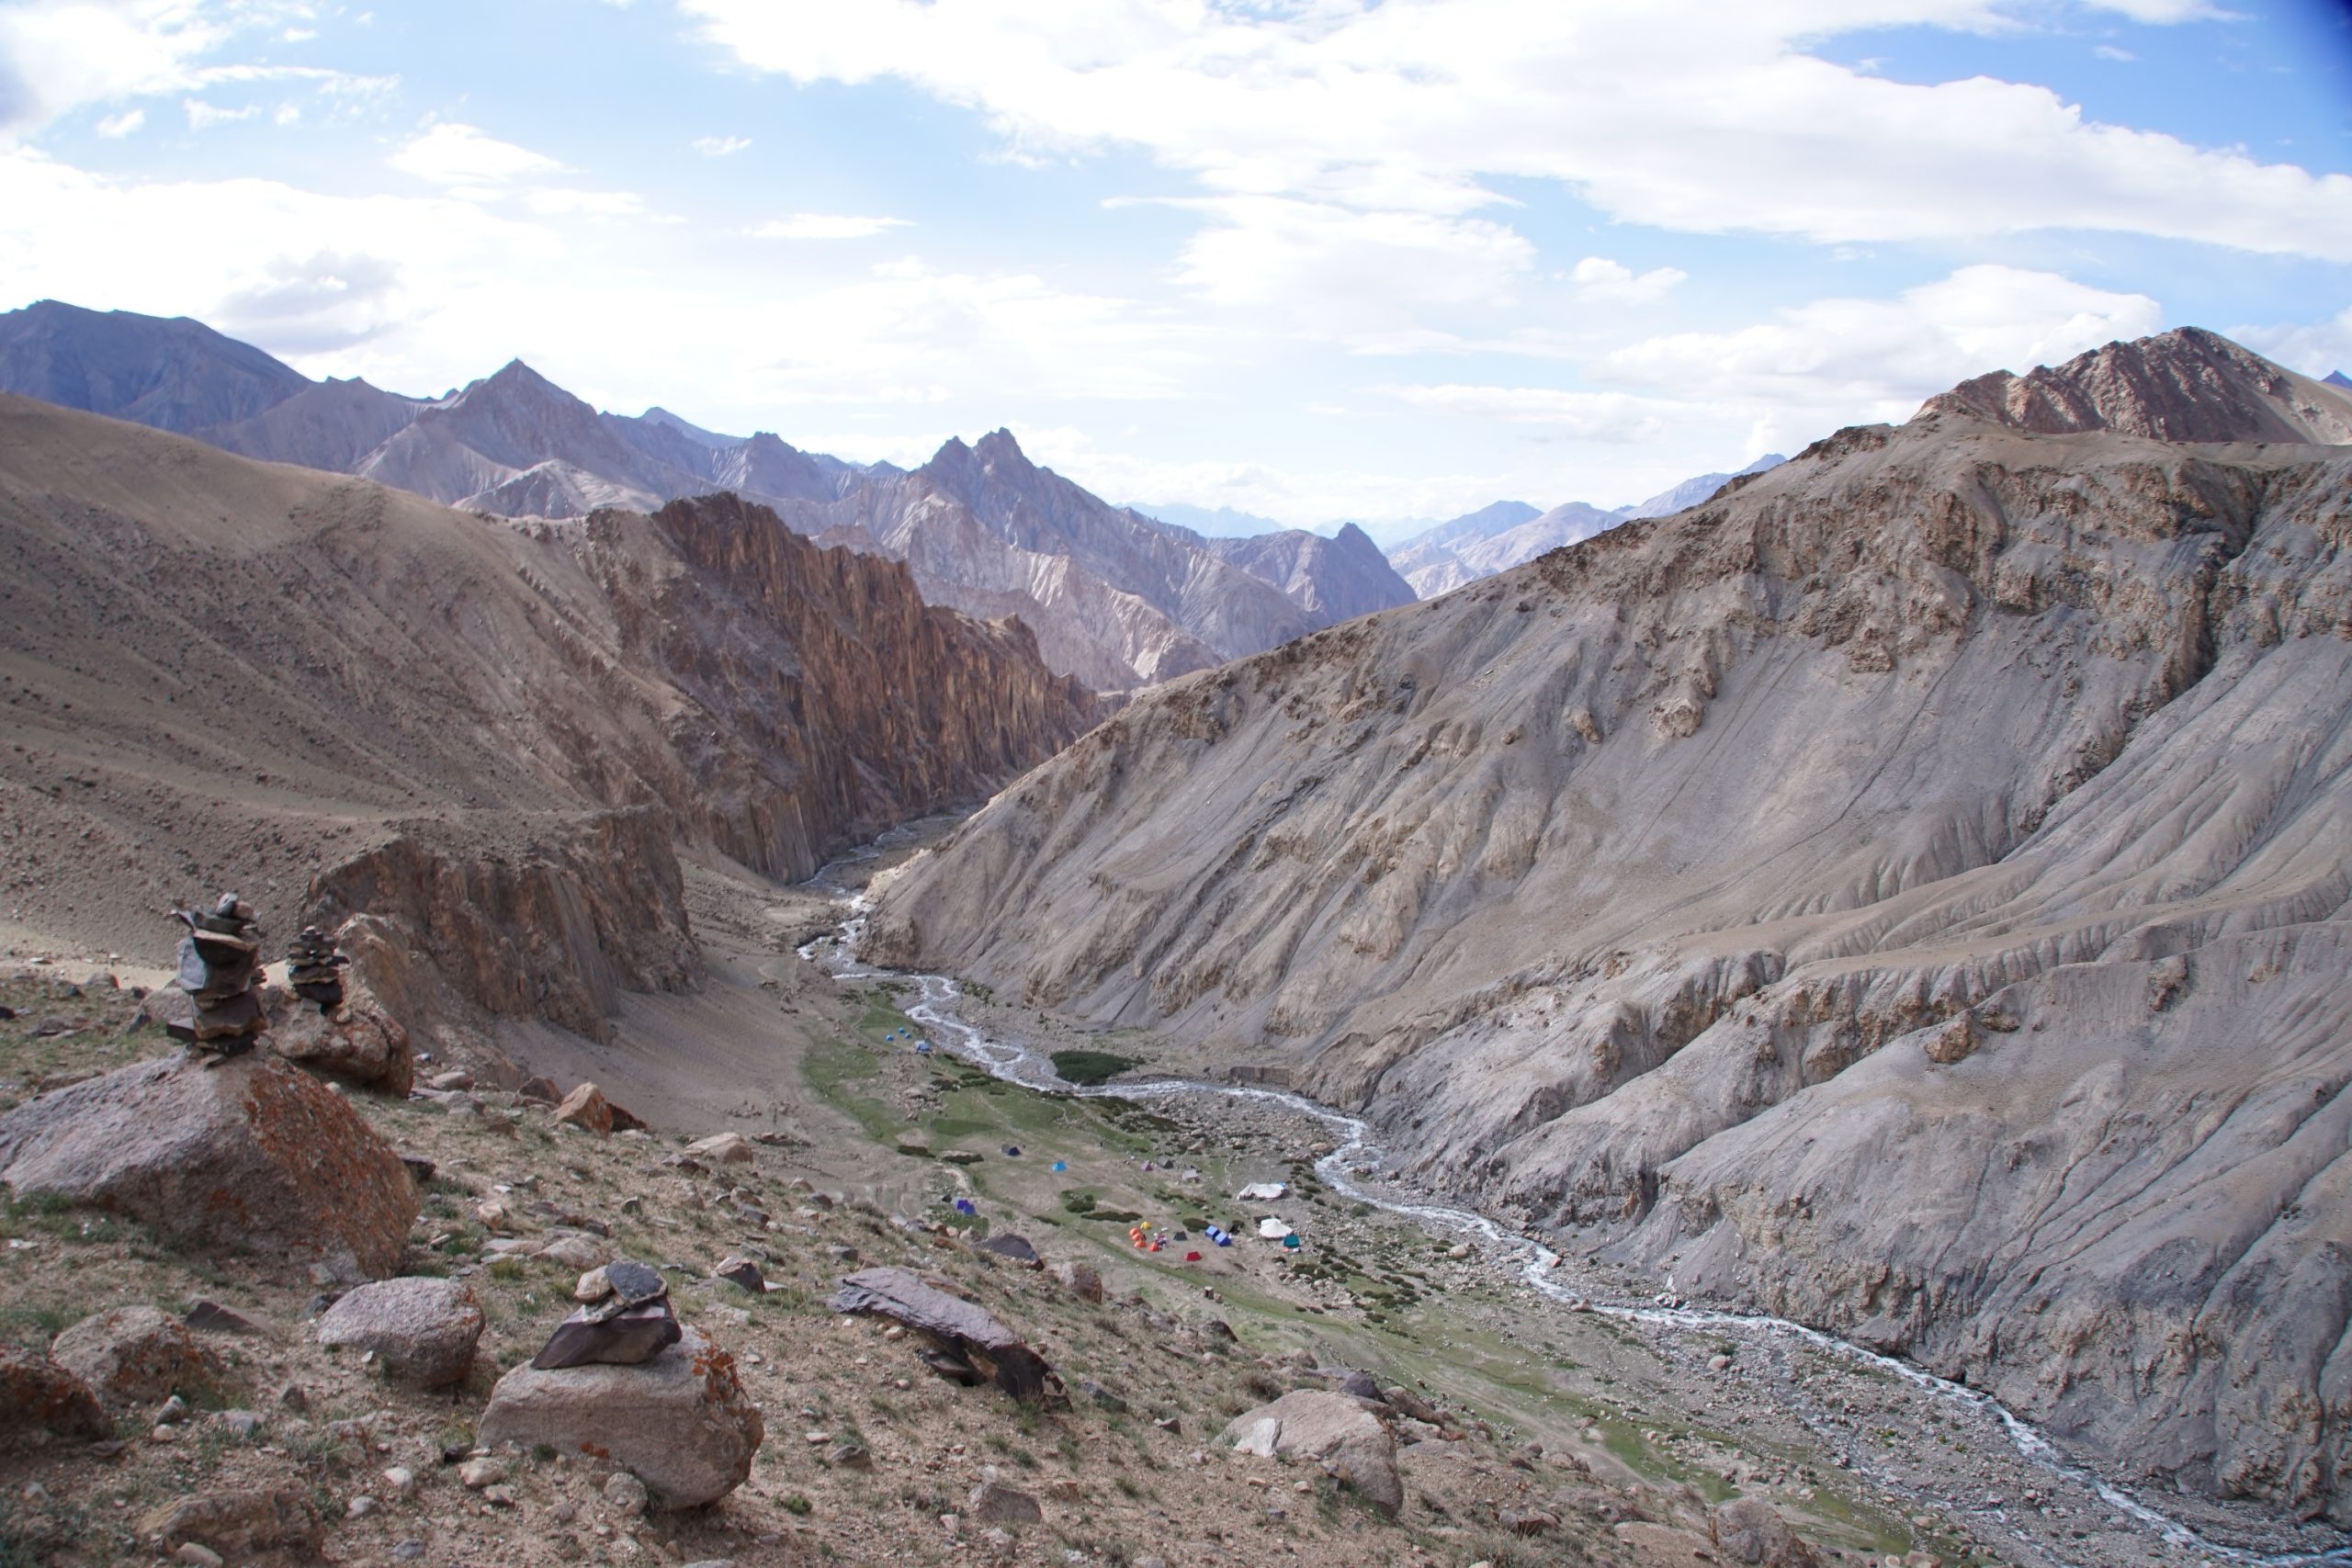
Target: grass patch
(1090, 1067)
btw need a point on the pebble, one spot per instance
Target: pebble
(625, 1492)
(359, 1507)
(477, 1473)
(196, 1555)
(408, 1551)
(400, 1479)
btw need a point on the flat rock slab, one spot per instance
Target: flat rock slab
(1333, 1429)
(249, 1155)
(681, 1423)
(423, 1330)
(40, 1400)
(134, 1355)
(959, 1328)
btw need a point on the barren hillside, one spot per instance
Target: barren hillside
(1907, 892)
(219, 672)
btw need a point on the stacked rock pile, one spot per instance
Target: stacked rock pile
(313, 968)
(219, 964)
(628, 1319)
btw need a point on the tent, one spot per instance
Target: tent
(1273, 1228)
(1263, 1192)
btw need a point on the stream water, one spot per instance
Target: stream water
(1540, 1269)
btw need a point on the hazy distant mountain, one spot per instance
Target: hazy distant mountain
(2337, 378)
(1691, 492)
(1215, 522)
(1497, 538)
(1115, 598)
(174, 374)
(1341, 576)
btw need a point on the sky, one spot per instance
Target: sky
(1313, 260)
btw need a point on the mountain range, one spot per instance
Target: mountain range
(1497, 538)
(1905, 892)
(1115, 598)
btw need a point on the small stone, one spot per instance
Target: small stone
(739, 1270)
(500, 1496)
(241, 1424)
(400, 1481)
(626, 1492)
(1079, 1279)
(408, 1551)
(359, 1507)
(849, 1456)
(294, 1397)
(198, 1555)
(455, 1078)
(173, 1412)
(595, 1286)
(994, 1503)
(477, 1473)
(724, 1148)
(211, 1317)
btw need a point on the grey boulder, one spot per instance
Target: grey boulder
(1332, 1430)
(681, 1423)
(423, 1330)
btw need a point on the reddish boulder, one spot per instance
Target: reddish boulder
(248, 1154)
(359, 1043)
(134, 1355)
(586, 1107)
(40, 1400)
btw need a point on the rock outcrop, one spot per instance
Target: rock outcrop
(248, 1154)
(1639, 890)
(1336, 579)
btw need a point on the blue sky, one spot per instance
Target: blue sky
(1312, 259)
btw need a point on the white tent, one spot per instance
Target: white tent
(1263, 1192)
(1272, 1228)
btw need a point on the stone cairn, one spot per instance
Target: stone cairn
(313, 968)
(219, 963)
(628, 1319)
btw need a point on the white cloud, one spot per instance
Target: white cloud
(1683, 114)
(2109, 51)
(1599, 279)
(720, 146)
(117, 126)
(824, 226)
(556, 201)
(458, 155)
(202, 115)
(1583, 416)
(1848, 359)
(2313, 347)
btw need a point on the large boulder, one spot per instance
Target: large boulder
(681, 1423)
(1333, 1430)
(40, 1400)
(248, 1154)
(423, 1330)
(1751, 1530)
(134, 1355)
(358, 1043)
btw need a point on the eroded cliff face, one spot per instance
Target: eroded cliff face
(548, 920)
(1902, 892)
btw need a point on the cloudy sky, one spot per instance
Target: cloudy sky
(1312, 259)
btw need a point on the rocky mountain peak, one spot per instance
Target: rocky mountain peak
(2185, 385)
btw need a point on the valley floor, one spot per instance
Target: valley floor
(1620, 1432)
